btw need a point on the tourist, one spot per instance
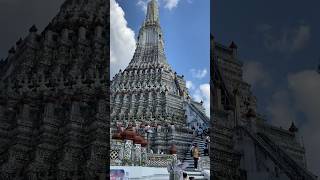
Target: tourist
(196, 155)
(201, 132)
(207, 139)
(206, 150)
(161, 152)
(185, 176)
(191, 150)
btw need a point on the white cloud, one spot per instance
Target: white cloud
(170, 4)
(198, 73)
(202, 93)
(281, 109)
(286, 39)
(143, 4)
(302, 36)
(305, 88)
(255, 74)
(301, 97)
(122, 41)
(189, 84)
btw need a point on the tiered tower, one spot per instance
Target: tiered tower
(149, 92)
(224, 159)
(245, 145)
(148, 88)
(54, 106)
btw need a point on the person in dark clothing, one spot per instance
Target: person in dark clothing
(206, 150)
(185, 176)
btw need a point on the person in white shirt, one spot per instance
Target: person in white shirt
(161, 152)
(191, 148)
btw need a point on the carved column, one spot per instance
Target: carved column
(72, 140)
(17, 153)
(47, 143)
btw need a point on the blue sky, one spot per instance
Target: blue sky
(278, 41)
(186, 29)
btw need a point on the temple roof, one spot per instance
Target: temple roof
(233, 45)
(293, 128)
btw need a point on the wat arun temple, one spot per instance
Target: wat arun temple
(245, 145)
(148, 92)
(151, 108)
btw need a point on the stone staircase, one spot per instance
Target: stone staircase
(284, 161)
(197, 174)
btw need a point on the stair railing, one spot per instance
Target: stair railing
(288, 170)
(288, 160)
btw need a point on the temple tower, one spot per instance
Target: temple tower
(149, 92)
(54, 104)
(246, 146)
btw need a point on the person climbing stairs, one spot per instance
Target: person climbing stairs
(190, 170)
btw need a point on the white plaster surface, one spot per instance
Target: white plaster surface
(144, 173)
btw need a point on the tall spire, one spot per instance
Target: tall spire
(152, 12)
(150, 40)
(150, 32)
